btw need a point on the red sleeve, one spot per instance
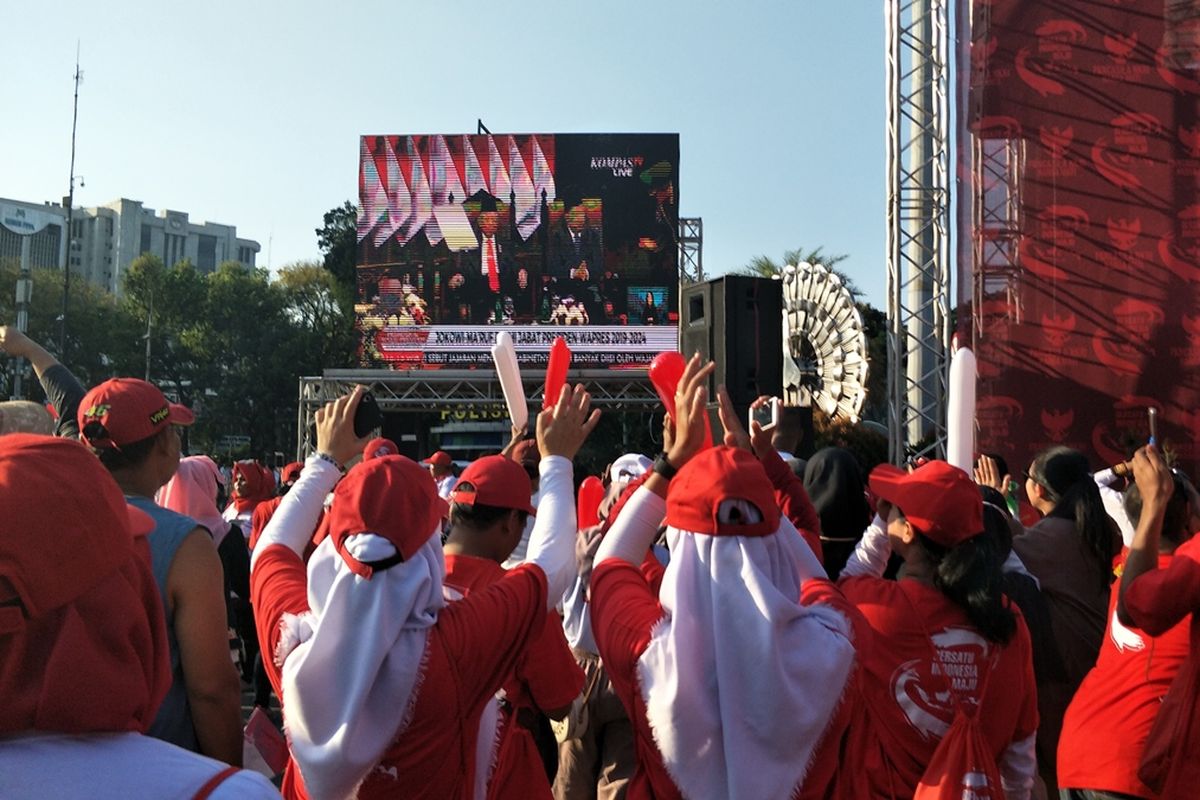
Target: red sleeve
(624, 610)
(1159, 599)
(489, 629)
(259, 519)
(793, 501)
(653, 570)
(548, 669)
(278, 586)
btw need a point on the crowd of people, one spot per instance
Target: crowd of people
(736, 624)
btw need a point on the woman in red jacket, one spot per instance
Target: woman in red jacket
(942, 635)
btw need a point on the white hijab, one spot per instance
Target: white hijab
(740, 680)
(352, 665)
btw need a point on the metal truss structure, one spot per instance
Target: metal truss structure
(918, 218)
(691, 245)
(996, 168)
(424, 390)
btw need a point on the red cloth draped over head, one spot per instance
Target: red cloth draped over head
(260, 485)
(83, 644)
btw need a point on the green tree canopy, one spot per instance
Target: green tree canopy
(338, 239)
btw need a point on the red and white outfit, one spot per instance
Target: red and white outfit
(1109, 719)
(732, 674)
(382, 684)
(83, 646)
(901, 710)
(1158, 601)
(260, 486)
(546, 677)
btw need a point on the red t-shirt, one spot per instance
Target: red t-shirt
(472, 649)
(902, 708)
(1157, 601)
(624, 610)
(1107, 723)
(546, 678)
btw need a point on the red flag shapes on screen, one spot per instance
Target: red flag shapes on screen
(422, 199)
(499, 183)
(374, 196)
(399, 199)
(543, 174)
(444, 182)
(475, 180)
(528, 209)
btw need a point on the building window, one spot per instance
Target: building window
(145, 248)
(206, 253)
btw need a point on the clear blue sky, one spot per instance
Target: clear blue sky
(249, 113)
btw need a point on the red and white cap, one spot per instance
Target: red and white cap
(495, 481)
(389, 496)
(940, 500)
(122, 411)
(723, 491)
(439, 459)
(379, 447)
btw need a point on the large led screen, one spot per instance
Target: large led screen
(541, 235)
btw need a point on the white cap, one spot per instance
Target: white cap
(629, 467)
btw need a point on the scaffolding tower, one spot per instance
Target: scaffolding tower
(918, 221)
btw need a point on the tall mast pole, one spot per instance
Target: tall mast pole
(62, 320)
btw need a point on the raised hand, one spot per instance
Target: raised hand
(335, 427)
(563, 428)
(691, 415)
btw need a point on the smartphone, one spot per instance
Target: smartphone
(1152, 415)
(367, 417)
(767, 414)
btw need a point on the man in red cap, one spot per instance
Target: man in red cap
(83, 649)
(383, 685)
(488, 512)
(131, 427)
(733, 672)
(441, 467)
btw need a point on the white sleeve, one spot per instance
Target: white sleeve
(634, 531)
(871, 554)
(1114, 503)
(552, 540)
(1018, 765)
(296, 518)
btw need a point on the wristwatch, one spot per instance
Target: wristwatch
(664, 467)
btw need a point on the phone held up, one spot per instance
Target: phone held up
(765, 415)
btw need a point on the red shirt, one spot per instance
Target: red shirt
(1157, 601)
(546, 678)
(901, 707)
(1107, 723)
(473, 648)
(624, 610)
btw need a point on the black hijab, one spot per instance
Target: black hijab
(834, 481)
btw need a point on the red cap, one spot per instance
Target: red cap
(67, 540)
(389, 496)
(527, 453)
(122, 411)
(497, 481)
(439, 459)
(291, 472)
(698, 498)
(379, 447)
(941, 501)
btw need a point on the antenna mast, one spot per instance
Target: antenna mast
(62, 320)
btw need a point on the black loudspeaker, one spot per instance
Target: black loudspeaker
(736, 321)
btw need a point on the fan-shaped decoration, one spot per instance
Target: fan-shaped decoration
(825, 360)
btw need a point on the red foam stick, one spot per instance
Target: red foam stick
(587, 506)
(666, 370)
(556, 371)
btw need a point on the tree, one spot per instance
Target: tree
(338, 240)
(321, 309)
(766, 267)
